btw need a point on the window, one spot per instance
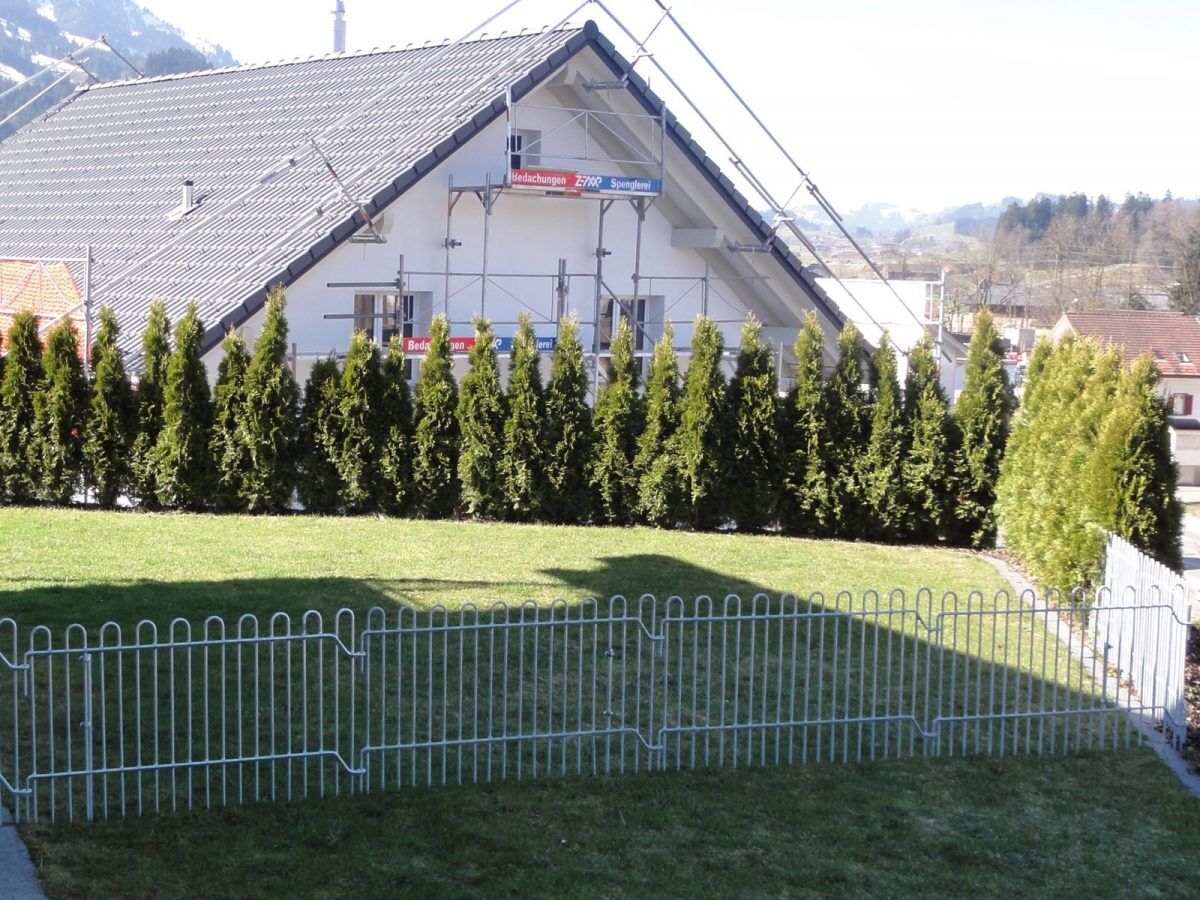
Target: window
(382, 316)
(1181, 404)
(1183, 357)
(524, 148)
(364, 314)
(646, 322)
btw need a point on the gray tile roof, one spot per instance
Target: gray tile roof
(107, 168)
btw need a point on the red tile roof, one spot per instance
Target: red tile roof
(1172, 338)
(49, 289)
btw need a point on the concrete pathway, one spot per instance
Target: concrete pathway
(1191, 546)
(17, 878)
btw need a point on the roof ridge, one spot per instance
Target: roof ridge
(325, 57)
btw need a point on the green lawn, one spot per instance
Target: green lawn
(945, 826)
(62, 566)
(1099, 825)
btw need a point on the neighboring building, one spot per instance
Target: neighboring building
(1173, 339)
(907, 311)
(532, 172)
(48, 289)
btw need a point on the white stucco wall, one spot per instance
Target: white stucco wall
(527, 236)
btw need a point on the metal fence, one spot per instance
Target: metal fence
(1143, 610)
(122, 721)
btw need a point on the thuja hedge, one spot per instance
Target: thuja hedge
(1089, 454)
(701, 450)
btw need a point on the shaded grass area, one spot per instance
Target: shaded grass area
(981, 827)
(63, 566)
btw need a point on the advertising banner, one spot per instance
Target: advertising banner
(421, 344)
(579, 182)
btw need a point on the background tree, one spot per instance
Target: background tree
(112, 417)
(229, 452)
(702, 427)
(59, 416)
(481, 415)
(805, 500)
(22, 375)
(568, 497)
(318, 483)
(395, 411)
(182, 462)
(359, 432)
(847, 421)
(657, 464)
(926, 471)
(156, 352)
(435, 450)
(982, 420)
(267, 419)
(881, 468)
(1184, 294)
(616, 426)
(752, 452)
(524, 461)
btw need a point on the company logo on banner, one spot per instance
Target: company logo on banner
(504, 344)
(579, 182)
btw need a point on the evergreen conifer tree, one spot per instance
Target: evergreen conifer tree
(1132, 474)
(524, 462)
(702, 431)
(805, 499)
(59, 415)
(616, 425)
(359, 431)
(22, 377)
(657, 463)
(319, 486)
(847, 420)
(568, 430)
(267, 420)
(481, 416)
(228, 450)
(435, 444)
(752, 453)
(156, 352)
(926, 472)
(111, 417)
(922, 371)
(395, 464)
(183, 464)
(982, 420)
(881, 466)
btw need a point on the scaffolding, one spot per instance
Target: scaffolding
(629, 143)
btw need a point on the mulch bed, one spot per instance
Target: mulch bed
(1191, 749)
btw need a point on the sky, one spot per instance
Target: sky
(926, 103)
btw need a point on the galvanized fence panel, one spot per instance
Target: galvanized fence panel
(130, 721)
(1139, 611)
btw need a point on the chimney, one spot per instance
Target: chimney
(189, 195)
(339, 28)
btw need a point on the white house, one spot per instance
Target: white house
(533, 172)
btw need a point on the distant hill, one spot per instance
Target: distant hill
(886, 220)
(37, 33)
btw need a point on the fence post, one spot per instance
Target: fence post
(86, 726)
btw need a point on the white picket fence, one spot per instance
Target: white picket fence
(1141, 624)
